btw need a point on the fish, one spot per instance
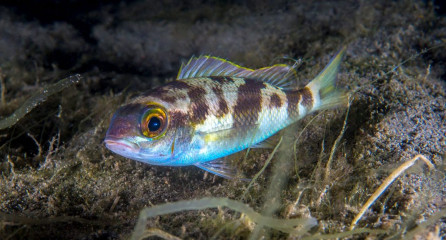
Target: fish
(216, 108)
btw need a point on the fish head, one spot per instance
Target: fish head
(146, 130)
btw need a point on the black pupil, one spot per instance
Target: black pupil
(154, 124)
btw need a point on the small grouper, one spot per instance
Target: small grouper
(216, 108)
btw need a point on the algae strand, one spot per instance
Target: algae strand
(285, 225)
(281, 172)
(37, 99)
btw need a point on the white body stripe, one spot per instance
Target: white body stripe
(271, 119)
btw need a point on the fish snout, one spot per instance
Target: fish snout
(120, 146)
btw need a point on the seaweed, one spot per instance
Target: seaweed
(395, 174)
(36, 99)
(285, 225)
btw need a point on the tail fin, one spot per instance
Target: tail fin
(325, 95)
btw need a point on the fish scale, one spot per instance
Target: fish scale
(216, 108)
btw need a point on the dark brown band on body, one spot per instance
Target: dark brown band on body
(222, 104)
(178, 119)
(167, 92)
(200, 108)
(222, 79)
(275, 101)
(307, 97)
(249, 103)
(294, 97)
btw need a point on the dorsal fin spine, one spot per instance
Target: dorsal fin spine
(199, 66)
(206, 66)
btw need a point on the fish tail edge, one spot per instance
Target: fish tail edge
(325, 94)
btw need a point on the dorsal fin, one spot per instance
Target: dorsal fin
(206, 66)
(279, 75)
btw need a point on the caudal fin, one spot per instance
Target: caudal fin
(325, 95)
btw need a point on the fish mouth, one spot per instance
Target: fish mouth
(120, 145)
(131, 150)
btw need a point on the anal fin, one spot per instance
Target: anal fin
(220, 168)
(268, 143)
(264, 144)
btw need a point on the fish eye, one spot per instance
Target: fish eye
(154, 122)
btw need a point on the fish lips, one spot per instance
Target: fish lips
(133, 151)
(121, 146)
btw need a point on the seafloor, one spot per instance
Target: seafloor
(58, 181)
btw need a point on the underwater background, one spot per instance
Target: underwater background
(58, 181)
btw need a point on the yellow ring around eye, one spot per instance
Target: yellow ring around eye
(157, 115)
